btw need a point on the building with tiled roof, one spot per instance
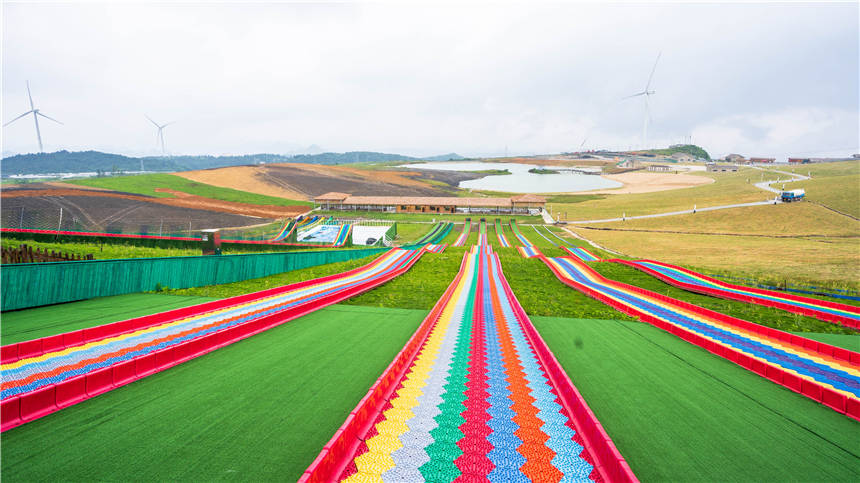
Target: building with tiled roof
(430, 204)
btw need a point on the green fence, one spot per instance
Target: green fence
(34, 284)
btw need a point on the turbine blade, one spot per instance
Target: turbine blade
(48, 117)
(652, 71)
(165, 125)
(634, 95)
(19, 117)
(150, 120)
(30, 96)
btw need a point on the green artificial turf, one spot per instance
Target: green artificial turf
(768, 316)
(29, 324)
(850, 342)
(678, 413)
(257, 410)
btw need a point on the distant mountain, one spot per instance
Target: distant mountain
(94, 161)
(445, 157)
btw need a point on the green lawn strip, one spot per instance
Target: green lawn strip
(29, 324)
(145, 184)
(130, 248)
(850, 342)
(411, 232)
(420, 287)
(272, 281)
(540, 292)
(548, 246)
(678, 413)
(258, 410)
(768, 316)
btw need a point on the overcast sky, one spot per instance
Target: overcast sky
(758, 79)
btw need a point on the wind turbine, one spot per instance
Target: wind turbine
(36, 113)
(160, 136)
(647, 93)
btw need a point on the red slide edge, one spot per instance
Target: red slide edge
(609, 462)
(27, 407)
(824, 395)
(336, 454)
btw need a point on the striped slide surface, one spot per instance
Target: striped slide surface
(529, 251)
(516, 229)
(287, 229)
(428, 238)
(582, 254)
(477, 402)
(847, 315)
(461, 240)
(27, 371)
(503, 240)
(828, 374)
(436, 248)
(482, 234)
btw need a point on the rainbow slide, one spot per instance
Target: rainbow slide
(475, 395)
(529, 251)
(503, 240)
(285, 231)
(482, 233)
(467, 228)
(436, 248)
(827, 374)
(582, 254)
(45, 375)
(847, 315)
(516, 230)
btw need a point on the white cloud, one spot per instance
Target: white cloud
(425, 78)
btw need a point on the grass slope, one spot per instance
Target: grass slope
(786, 220)
(145, 184)
(21, 325)
(833, 184)
(678, 413)
(826, 262)
(277, 399)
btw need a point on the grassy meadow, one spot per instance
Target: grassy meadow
(835, 185)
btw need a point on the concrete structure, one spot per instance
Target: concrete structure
(735, 158)
(629, 163)
(714, 167)
(683, 157)
(527, 203)
(660, 168)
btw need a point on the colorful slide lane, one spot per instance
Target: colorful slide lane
(48, 374)
(503, 240)
(464, 235)
(482, 233)
(474, 396)
(288, 228)
(529, 251)
(847, 315)
(436, 248)
(582, 254)
(828, 374)
(516, 230)
(434, 235)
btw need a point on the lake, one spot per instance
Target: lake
(520, 180)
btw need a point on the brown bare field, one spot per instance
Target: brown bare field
(244, 178)
(647, 182)
(183, 200)
(305, 181)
